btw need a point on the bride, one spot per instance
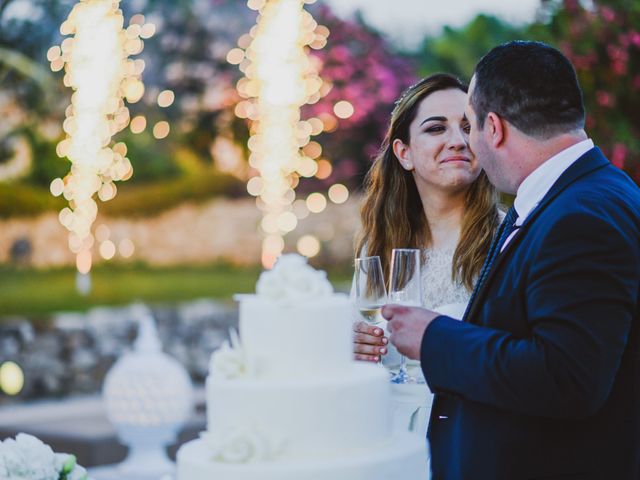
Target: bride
(426, 190)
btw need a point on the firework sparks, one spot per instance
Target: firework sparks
(280, 77)
(98, 69)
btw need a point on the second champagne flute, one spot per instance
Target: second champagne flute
(370, 291)
(405, 288)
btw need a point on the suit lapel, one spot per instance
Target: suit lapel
(587, 163)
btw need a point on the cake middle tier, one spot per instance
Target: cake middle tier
(310, 337)
(309, 417)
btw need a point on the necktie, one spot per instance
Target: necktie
(506, 228)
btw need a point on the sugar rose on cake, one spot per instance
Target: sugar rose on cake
(292, 278)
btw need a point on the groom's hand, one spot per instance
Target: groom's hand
(407, 326)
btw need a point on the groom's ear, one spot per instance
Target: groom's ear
(496, 129)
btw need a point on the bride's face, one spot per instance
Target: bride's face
(438, 151)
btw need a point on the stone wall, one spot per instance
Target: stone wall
(219, 230)
(72, 352)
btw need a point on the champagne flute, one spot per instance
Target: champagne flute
(405, 288)
(370, 291)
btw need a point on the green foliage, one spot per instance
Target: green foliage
(45, 164)
(38, 293)
(33, 292)
(603, 42)
(152, 159)
(18, 200)
(457, 51)
(153, 198)
(601, 38)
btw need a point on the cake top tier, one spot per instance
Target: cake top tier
(294, 326)
(293, 280)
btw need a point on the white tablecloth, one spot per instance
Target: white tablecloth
(411, 409)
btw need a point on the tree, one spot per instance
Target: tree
(457, 50)
(603, 42)
(361, 67)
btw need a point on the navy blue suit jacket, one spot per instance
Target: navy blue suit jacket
(542, 380)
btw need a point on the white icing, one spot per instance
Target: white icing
(301, 339)
(243, 444)
(403, 456)
(293, 280)
(320, 417)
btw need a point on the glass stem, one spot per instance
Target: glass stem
(403, 366)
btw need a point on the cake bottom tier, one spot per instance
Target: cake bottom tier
(403, 457)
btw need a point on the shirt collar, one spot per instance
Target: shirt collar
(533, 189)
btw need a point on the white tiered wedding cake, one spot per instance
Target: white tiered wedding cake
(290, 403)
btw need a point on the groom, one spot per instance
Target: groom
(542, 378)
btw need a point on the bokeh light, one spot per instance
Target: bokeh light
(308, 167)
(254, 186)
(338, 193)
(316, 202)
(166, 98)
(329, 122)
(161, 130)
(11, 378)
(325, 169)
(308, 245)
(83, 261)
(107, 250)
(313, 149)
(126, 248)
(57, 187)
(343, 109)
(138, 124)
(148, 30)
(235, 56)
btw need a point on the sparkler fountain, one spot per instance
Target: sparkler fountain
(280, 77)
(98, 68)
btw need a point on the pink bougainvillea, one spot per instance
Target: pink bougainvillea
(606, 54)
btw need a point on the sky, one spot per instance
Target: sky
(407, 21)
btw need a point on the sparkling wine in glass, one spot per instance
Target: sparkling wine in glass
(370, 313)
(405, 288)
(370, 291)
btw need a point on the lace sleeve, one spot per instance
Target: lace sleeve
(439, 288)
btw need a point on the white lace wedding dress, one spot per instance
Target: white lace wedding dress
(440, 293)
(438, 288)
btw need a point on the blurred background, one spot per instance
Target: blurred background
(182, 234)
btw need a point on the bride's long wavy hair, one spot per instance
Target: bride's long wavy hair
(392, 214)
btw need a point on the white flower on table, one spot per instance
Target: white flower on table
(28, 458)
(242, 445)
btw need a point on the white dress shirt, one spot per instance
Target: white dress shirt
(533, 189)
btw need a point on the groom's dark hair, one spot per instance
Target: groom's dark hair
(531, 85)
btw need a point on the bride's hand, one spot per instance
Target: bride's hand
(369, 342)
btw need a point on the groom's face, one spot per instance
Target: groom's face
(487, 157)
